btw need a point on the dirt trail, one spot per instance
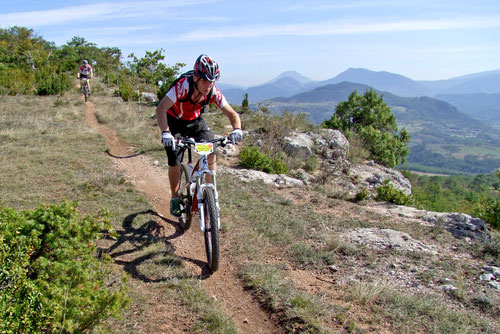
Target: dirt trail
(224, 284)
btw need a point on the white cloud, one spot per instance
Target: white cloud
(344, 28)
(100, 11)
(120, 30)
(334, 5)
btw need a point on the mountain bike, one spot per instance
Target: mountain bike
(85, 88)
(197, 195)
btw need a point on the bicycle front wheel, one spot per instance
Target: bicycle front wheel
(211, 229)
(186, 199)
(86, 91)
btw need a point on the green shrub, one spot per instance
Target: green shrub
(253, 158)
(361, 195)
(311, 164)
(388, 193)
(127, 92)
(488, 210)
(15, 81)
(49, 82)
(51, 280)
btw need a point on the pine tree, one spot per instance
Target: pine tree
(369, 117)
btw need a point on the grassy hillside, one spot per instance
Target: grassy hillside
(49, 153)
(286, 245)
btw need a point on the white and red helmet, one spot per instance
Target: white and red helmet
(206, 68)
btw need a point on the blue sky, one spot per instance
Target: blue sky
(256, 40)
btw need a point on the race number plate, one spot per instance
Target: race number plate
(204, 148)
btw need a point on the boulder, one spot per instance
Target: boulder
(387, 239)
(372, 175)
(336, 140)
(460, 225)
(299, 145)
(331, 144)
(149, 97)
(278, 180)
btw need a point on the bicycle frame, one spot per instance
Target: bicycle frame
(198, 173)
(85, 82)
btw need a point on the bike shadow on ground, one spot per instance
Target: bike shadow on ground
(124, 157)
(132, 241)
(128, 156)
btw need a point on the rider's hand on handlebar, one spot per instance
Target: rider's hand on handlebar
(236, 136)
(167, 139)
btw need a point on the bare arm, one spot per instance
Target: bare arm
(161, 112)
(233, 116)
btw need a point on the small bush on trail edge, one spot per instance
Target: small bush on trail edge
(361, 195)
(49, 81)
(51, 280)
(252, 157)
(126, 91)
(388, 193)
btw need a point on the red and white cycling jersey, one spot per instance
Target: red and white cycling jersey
(184, 108)
(85, 70)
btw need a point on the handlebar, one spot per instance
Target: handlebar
(188, 141)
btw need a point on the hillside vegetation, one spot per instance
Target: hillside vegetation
(31, 65)
(291, 253)
(84, 250)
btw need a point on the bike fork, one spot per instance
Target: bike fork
(200, 208)
(217, 209)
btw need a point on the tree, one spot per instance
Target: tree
(150, 69)
(23, 56)
(149, 72)
(22, 47)
(370, 118)
(244, 103)
(31, 65)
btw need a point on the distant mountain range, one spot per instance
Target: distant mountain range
(477, 95)
(320, 103)
(450, 121)
(485, 107)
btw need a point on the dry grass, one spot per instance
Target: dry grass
(269, 234)
(49, 153)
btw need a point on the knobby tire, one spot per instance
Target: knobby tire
(211, 229)
(86, 91)
(186, 199)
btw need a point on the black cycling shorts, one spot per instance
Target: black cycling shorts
(84, 76)
(197, 129)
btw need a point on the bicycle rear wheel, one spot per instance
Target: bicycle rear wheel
(211, 229)
(186, 199)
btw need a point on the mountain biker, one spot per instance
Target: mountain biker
(179, 112)
(85, 71)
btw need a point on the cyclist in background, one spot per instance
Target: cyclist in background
(85, 71)
(179, 112)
